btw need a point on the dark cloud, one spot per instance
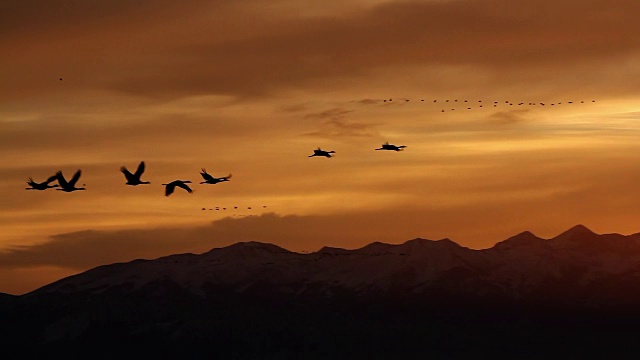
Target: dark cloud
(337, 127)
(309, 51)
(38, 17)
(332, 114)
(85, 249)
(333, 124)
(369, 101)
(508, 117)
(265, 51)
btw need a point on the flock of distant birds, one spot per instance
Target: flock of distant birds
(135, 178)
(481, 104)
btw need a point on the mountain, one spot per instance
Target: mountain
(578, 293)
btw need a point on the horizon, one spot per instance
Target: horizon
(513, 116)
(578, 228)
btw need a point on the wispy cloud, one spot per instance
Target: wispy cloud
(509, 117)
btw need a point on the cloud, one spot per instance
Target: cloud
(333, 114)
(336, 127)
(369, 101)
(85, 249)
(508, 117)
(254, 51)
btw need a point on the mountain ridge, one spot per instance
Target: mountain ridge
(374, 265)
(434, 298)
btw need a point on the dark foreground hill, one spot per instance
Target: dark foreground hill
(574, 295)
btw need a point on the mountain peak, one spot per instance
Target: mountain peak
(525, 238)
(578, 231)
(249, 247)
(332, 250)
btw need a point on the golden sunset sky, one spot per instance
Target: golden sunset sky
(250, 88)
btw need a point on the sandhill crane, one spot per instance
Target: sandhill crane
(387, 146)
(169, 187)
(69, 186)
(134, 179)
(43, 185)
(320, 152)
(208, 179)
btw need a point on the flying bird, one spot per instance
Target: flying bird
(69, 186)
(169, 187)
(208, 179)
(134, 179)
(387, 146)
(320, 152)
(43, 185)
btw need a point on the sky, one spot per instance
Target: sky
(251, 88)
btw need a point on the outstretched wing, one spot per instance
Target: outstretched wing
(140, 169)
(75, 177)
(61, 180)
(126, 173)
(184, 186)
(168, 190)
(206, 176)
(51, 178)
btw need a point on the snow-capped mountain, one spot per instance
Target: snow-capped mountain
(521, 266)
(251, 287)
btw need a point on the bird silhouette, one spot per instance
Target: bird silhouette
(169, 187)
(320, 152)
(69, 186)
(387, 146)
(43, 185)
(208, 179)
(134, 179)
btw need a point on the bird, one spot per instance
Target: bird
(43, 185)
(320, 152)
(169, 187)
(387, 146)
(208, 179)
(134, 179)
(69, 186)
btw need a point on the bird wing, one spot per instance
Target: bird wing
(168, 190)
(184, 186)
(127, 173)
(140, 169)
(61, 180)
(75, 177)
(206, 176)
(51, 178)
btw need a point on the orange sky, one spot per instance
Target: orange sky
(252, 87)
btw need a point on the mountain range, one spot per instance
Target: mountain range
(575, 294)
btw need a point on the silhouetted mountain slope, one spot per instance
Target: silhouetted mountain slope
(578, 291)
